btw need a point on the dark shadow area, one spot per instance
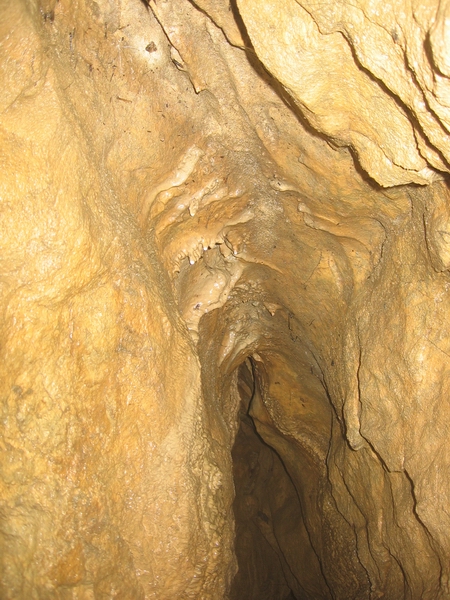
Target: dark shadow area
(266, 506)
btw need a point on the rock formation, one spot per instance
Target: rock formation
(224, 338)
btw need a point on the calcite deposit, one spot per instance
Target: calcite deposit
(225, 300)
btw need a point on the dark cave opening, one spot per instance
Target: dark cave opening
(268, 516)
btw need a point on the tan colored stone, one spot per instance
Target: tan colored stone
(311, 48)
(223, 324)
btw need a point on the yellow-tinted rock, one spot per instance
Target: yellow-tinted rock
(209, 271)
(361, 75)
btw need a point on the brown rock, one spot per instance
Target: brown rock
(224, 286)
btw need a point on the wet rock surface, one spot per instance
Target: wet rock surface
(224, 283)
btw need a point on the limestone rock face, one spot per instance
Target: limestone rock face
(372, 76)
(224, 341)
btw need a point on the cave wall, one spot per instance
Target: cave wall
(224, 288)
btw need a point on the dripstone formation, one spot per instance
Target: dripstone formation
(225, 300)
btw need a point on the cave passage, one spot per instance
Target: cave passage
(270, 531)
(224, 279)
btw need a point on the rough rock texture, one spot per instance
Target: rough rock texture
(224, 341)
(370, 75)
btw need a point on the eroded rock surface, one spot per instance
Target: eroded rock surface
(224, 286)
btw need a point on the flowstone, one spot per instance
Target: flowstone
(224, 338)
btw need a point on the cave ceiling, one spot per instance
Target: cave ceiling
(225, 244)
